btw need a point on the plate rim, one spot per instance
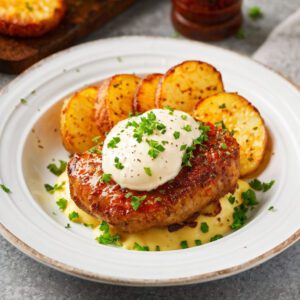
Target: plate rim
(81, 273)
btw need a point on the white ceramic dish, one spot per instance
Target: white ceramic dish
(27, 213)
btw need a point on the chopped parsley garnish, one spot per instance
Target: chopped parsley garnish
(249, 198)
(223, 146)
(155, 148)
(204, 227)
(170, 109)
(57, 170)
(257, 185)
(73, 216)
(146, 126)
(255, 12)
(184, 117)
(157, 248)
(5, 189)
(128, 195)
(118, 164)
(136, 201)
(148, 171)
(157, 199)
(106, 177)
(62, 203)
(68, 226)
(240, 35)
(221, 124)
(96, 139)
(183, 147)
(184, 244)
(56, 187)
(239, 217)
(176, 135)
(95, 149)
(23, 101)
(271, 208)
(187, 128)
(106, 238)
(28, 6)
(222, 106)
(113, 143)
(216, 237)
(231, 199)
(138, 247)
(187, 156)
(198, 242)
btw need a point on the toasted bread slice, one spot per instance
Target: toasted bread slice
(115, 100)
(187, 83)
(146, 92)
(77, 123)
(245, 122)
(30, 18)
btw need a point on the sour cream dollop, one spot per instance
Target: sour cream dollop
(141, 153)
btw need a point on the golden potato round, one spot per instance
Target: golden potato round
(243, 119)
(115, 100)
(144, 99)
(30, 18)
(187, 83)
(77, 122)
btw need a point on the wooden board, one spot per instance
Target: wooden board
(83, 16)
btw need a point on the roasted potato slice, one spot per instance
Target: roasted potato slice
(115, 100)
(243, 119)
(187, 83)
(146, 92)
(30, 18)
(77, 122)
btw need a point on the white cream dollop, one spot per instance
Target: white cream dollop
(140, 171)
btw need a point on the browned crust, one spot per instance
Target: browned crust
(16, 28)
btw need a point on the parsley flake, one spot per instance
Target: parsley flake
(187, 128)
(73, 216)
(184, 117)
(113, 143)
(222, 106)
(257, 185)
(255, 12)
(136, 201)
(23, 101)
(231, 199)
(249, 198)
(155, 148)
(184, 244)
(5, 189)
(204, 227)
(56, 187)
(106, 238)
(62, 203)
(216, 237)
(198, 242)
(106, 177)
(148, 171)
(118, 164)
(57, 170)
(138, 247)
(176, 135)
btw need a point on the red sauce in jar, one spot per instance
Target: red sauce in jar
(207, 19)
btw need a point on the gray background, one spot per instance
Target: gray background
(23, 278)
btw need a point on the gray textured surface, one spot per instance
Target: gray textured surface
(23, 278)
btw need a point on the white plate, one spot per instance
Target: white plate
(26, 216)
